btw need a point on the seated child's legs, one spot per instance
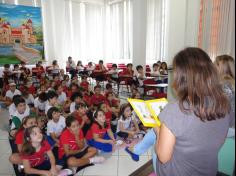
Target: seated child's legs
(123, 135)
(15, 159)
(101, 146)
(51, 141)
(46, 165)
(147, 142)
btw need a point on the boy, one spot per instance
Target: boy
(52, 100)
(140, 75)
(113, 74)
(76, 98)
(97, 98)
(40, 104)
(12, 92)
(72, 148)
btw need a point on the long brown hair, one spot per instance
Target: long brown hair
(197, 85)
(226, 68)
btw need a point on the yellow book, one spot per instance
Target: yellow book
(148, 111)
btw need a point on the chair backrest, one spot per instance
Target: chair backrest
(226, 157)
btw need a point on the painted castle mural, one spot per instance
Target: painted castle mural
(21, 36)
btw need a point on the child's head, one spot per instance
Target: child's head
(29, 121)
(164, 65)
(81, 108)
(76, 97)
(84, 78)
(114, 67)
(22, 64)
(90, 64)
(66, 77)
(79, 63)
(101, 62)
(103, 107)
(155, 67)
(109, 87)
(225, 65)
(130, 66)
(110, 96)
(43, 97)
(43, 88)
(31, 135)
(72, 124)
(40, 63)
(20, 105)
(70, 59)
(74, 87)
(54, 63)
(7, 66)
(41, 121)
(16, 67)
(136, 95)
(12, 87)
(52, 97)
(125, 111)
(54, 114)
(62, 71)
(25, 92)
(58, 89)
(97, 90)
(99, 116)
(139, 69)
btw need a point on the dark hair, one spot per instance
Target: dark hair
(43, 96)
(101, 62)
(73, 84)
(109, 93)
(129, 65)
(84, 77)
(51, 111)
(197, 85)
(56, 87)
(27, 148)
(114, 65)
(122, 110)
(52, 94)
(97, 87)
(95, 116)
(19, 101)
(80, 105)
(16, 97)
(155, 65)
(6, 65)
(25, 91)
(69, 120)
(75, 96)
(54, 62)
(24, 121)
(108, 86)
(16, 65)
(139, 67)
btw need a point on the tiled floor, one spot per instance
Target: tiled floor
(118, 164)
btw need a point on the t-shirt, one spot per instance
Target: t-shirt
(97, 99)
(39, 157)
(101, 132)
(29, 100)
(12, 110)
(47, 107)
(11, 94)
(62, 98)
(17, 118)
(84, 85)
(19, 137)
(126, 124)
(69, 138)
(197, 143)
(57, 128)
(108, 116)
(39, 105)
(72, 107)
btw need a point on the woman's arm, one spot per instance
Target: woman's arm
(165, 144)
(29, 170)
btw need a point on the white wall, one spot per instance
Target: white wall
(139, 32)
(182, 26)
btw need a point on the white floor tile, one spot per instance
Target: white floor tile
(4, 147)
(108, 168)
(122, 152)
(5, 166)
(3, 134)
(127, 166)
(80, 173)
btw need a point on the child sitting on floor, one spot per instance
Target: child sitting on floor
(103, 137)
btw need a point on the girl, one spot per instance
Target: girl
(33, 154)
(55, 126)
(61, 95)
(97, 98)
(72, 148)
(126, 128)
(76, 98)
(103, 137)
(52, 100)
(28, 122)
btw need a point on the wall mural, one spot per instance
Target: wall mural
(21, 35)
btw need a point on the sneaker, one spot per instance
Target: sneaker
(97, 160)
(20, 167)
(119, 142)
(133, 156)
(65, 172)
(74, 170)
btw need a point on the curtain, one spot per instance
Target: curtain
(87, 30)
(217, 27)
(155, 30)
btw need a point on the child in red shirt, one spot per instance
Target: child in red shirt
(28, 122)
(33, 154)
(81, 115)
(97, 98)
(84, 83)
(72, 145)
(103, 137)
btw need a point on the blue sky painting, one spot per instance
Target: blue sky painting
(16, 15)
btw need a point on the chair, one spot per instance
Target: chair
(226, 157)
(123, 82)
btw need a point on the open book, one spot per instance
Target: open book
(148, 111)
